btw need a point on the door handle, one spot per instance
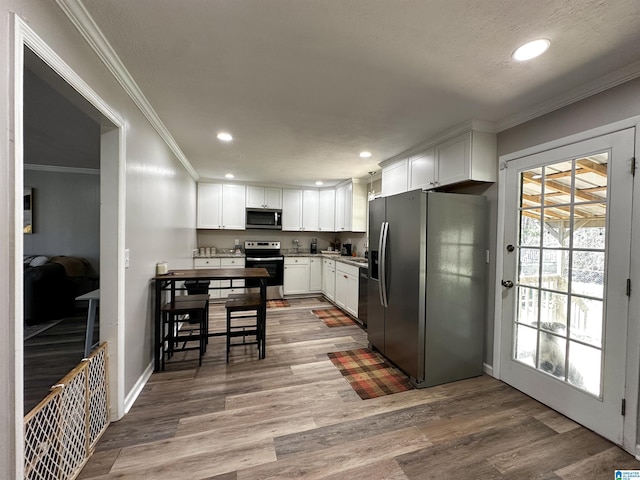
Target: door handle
(507, 283)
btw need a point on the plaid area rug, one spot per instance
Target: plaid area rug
(277, 303)
(333, 317)
(369, 374)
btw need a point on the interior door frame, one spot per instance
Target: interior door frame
(112, 223)
(632, 374)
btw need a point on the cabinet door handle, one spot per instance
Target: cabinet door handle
(345, 276)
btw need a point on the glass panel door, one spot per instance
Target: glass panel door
(568, 230)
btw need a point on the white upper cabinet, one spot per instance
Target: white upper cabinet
(343, 209)
(221, 206)
(470, 156)
(351, 207)
(291, 209)
(394, 178)
(341, 194)
(264, 197)
(422, 170)
(310, 205)
(300, 210)
(233, 207)
(209, 208)
(327, 210)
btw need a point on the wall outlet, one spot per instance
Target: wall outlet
(237, 242)
(194, 252)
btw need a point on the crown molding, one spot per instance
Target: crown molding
(613, 79)
(60, 169)
(84, 23)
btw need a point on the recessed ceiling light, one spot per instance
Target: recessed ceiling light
(229, 175)
(224, 136)
(531, 50)
(318, 183)
(365, 154)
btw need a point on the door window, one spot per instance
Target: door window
(561, 270)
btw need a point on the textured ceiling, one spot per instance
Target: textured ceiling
(305, 85)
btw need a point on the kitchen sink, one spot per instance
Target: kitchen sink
(360, 260)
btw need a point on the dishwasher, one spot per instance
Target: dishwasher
(362, 294)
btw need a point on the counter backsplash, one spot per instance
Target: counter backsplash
(217, 239)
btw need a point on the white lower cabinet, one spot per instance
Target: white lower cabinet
(346, 288)
(329, 278)
(204, 263)
(238, 285)
(315, 274)
(296, 275)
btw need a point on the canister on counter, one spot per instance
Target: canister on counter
(162, 268)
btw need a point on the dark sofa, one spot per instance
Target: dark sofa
(50, 288)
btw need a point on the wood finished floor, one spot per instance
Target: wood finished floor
(292, 415)
(50, 355)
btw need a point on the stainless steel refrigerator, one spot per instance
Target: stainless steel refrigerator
(426, 288)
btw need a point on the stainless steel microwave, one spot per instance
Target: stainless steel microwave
(264, 218)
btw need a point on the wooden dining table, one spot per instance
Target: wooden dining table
(166, 286)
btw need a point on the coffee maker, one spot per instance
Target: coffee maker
(314, 245)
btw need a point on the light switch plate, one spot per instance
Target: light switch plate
(126, 258)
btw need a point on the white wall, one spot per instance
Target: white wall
(160, 211)
(610, 106)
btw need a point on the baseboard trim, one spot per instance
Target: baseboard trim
(132, 396)
(488, 369)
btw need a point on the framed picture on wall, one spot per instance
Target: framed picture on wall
(28, 210)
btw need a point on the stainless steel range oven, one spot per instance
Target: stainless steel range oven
(267, 255)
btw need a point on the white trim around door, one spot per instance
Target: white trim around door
(112, 210)
(631, 374)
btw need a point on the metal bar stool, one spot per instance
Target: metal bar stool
(243, 303)
(197, 310)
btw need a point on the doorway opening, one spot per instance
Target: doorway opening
(104, 168)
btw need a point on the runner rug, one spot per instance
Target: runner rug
(333, 317)
(277, 303)
(369, 374)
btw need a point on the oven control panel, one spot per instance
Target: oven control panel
(256, 244)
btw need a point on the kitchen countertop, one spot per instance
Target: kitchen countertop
(220, 255)
(355, 261)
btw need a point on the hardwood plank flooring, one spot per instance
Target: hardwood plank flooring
(50, 355)
(292, 415)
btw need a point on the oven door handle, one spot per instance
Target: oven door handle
(263, 259)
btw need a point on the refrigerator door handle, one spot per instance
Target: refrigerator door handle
(382, 283)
